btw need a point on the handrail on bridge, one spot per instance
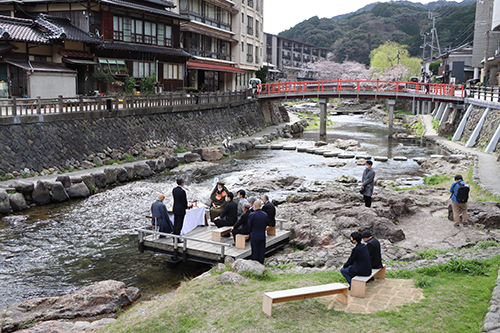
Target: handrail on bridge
(143, 231)
(454, 90)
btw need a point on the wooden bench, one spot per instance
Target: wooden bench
(302, 293)
(240, 241)
(217, 234)
(271, 231)
(358, 283)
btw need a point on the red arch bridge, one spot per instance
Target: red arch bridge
(423, 95)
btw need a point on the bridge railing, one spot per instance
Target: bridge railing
(36, 106)
(491, 94)
(362, 86)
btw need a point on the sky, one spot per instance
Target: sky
(280, 15)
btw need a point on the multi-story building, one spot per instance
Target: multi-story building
(225, 39)
(287, 56)
(487, 41)
(136, 38)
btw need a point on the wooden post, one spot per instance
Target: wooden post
(99, 102)
(391, 103)
(38, 104)
(60, 104)
(323, 102)
(125, 101)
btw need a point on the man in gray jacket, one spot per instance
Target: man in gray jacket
(367, 183)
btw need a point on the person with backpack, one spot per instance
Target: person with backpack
(459, 196)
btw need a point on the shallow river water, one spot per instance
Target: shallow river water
(66, 246)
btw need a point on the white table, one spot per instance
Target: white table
(194, 217)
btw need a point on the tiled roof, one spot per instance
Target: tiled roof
(144, 48)
(43, 30)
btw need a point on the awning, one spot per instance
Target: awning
(75, 54)
(79, 61)
(213, 67)
(144, 49)
(39, 66)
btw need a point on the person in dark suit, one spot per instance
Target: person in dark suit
(241, 227)
(359, 261)
(159, 211)
(270, 210)
(373, 246)
(257, 223)
(180, 206)
(229, 215)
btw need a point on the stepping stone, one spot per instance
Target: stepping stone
(319, 152)
(336, 164)
(276, 147)
(461, 157)
(380, 158)
(301, 149)
(345, 155)
(364, 157)
(289, 147)
(330, 154)
(310, 150)
(261, 147)
(437, 156)
(400, 158)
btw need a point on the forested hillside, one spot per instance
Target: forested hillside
(353, 37)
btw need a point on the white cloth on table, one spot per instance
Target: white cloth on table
(194, 217)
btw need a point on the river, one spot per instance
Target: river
(63, 247)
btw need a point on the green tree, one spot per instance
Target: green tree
(129, 85)
(148, 84)
(262, 74)
(391, 54)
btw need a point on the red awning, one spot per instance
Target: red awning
(213, 67)
(75, 54)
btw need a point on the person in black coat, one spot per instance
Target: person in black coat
(180, 206)
(373, 246)
(359, 261)
(270, 210)
(229, 215)
(159, 211)
(241, 227)
(257, 223)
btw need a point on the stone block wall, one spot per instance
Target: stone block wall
(490, 126)
(58, 143)
(472, 121)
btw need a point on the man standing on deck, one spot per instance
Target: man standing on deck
(180, 206)
(257, 223)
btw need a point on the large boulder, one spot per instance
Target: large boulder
(100, 298)
(250, 266)
(79, 190)
(130, 172)
(160, 165)
(17, 202)
(121, 175)
(22, 186)
(142, 170)
(89, 180)
(209, 154)
(191, 157)
(4, 202)
(59, 326)
(41, 193)
(65, 180)
(230, 277)
(59, 193)
(171, 162)
(344, 144)
(110, 175)
(100, 179)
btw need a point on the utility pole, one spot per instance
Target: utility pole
(487, 44)
(434, 36)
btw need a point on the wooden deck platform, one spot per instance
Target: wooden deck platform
(207, 252)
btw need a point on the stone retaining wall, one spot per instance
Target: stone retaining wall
(64, 143)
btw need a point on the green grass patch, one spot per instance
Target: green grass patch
(476, 193)
(128, 158)
(418, 128)
(456, 299)
(407, 188)
(180, 149)
(313, 120)
(435, 124)
(436, 180)
(402, 112)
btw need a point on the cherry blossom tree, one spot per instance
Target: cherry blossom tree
(330, 70)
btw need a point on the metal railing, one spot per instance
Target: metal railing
(363, 85)
(37, 106)
(491, 94)
(142, 237)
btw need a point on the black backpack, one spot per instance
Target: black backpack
(462, 193)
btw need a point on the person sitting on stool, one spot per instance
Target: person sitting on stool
(159, 211)
(359, 261)
(230, 214)
(241, 227)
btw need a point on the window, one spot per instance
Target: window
(249, 53)
(256, 28)
(250, 3)
(242, 47)
(143, 69)
(225, 20)
(149, 33)
(256, 54)
(117, 28)
(195, 6)
(250, 25)
(137, 31)
(242, 18)
(173, 71)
